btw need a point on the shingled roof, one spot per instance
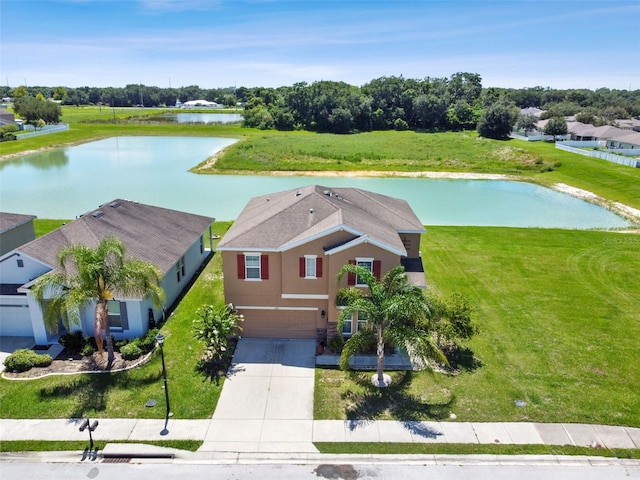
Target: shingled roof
(283, 220)
(157, 235)
(9, 221)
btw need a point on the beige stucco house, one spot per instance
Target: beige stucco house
(282, 255)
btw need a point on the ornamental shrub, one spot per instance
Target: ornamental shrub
(131, 350)
(25, 359)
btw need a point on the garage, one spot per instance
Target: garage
(15, 319)
(279, 322)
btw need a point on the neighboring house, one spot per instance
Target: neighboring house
(282, 255)
(6, 117)
(15, 230)
(628, 141)
(177, 242)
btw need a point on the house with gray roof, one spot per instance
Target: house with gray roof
(177, 242)
(282, 255)
(15, 229)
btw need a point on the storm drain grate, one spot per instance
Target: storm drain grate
(116, 460)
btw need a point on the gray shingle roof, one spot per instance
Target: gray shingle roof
(9, 221)
(281, 220)
(154, 234)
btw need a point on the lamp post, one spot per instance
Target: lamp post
(160, 340)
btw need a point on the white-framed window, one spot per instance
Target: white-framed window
(362, 321)
(252, 266)
(366, 263)
(201, 243)
(347, 328)
(118, 318)
(310, 266)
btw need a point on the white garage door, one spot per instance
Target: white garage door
(15, 320)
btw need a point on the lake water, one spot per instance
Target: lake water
(204, 117)
(67, 182)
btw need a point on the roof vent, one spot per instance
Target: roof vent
(298, 193)
(97, 214)
(311, 210)
(115, 204)
(327, 193)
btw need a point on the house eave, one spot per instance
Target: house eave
(364, 240)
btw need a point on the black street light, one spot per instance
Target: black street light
(160, 340)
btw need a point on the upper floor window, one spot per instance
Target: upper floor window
(311, 266)
(253, 266)
(367, 264)
(374, 266)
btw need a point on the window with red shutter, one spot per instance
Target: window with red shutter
(319, 267)
(351, 277)
(377, 265)
(302, 268)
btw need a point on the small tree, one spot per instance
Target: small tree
(498, 120)
(452, 320)
(526, 122)
(556, 126)
(213, 327)
(396, 310)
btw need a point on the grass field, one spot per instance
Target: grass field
(380, 151)
(123, 395)
(559, 327)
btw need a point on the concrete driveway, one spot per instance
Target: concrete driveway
(266, 404)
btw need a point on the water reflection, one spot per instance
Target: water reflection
(45, 160)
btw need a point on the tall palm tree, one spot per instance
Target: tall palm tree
(398, 312)
(88, 276)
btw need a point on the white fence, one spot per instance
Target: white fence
(586, 144)
(629, 162)
(45, 130)
(537, 138)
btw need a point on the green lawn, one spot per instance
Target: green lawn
(559, 321)
(380, 151)
(123, 395)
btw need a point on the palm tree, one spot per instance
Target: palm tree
(398, 312)
(92, 275)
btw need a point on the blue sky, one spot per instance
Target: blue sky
(216, 43)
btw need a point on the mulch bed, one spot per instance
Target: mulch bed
(70, 364)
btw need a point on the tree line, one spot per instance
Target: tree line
(458, 102)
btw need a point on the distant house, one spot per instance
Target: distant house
(282, 255)
(177, 242)
(201, 104)
(6, 117)
(628, 141)
(15, 230)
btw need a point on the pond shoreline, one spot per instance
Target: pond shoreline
(618, 208)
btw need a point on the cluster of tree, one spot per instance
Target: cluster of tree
(430, 104)
(131, 95)
(386, 103)
(37, 110)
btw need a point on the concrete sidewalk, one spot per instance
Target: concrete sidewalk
(111, 429)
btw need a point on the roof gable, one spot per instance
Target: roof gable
(286, 219)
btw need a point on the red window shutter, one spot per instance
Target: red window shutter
(264, 267)
(351, 277)
(303, 266)
(319, 267)
(241, 271)
(376, 269)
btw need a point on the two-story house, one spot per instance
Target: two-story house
(282, 255)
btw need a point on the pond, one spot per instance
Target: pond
(67, 182)
(205, 118)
